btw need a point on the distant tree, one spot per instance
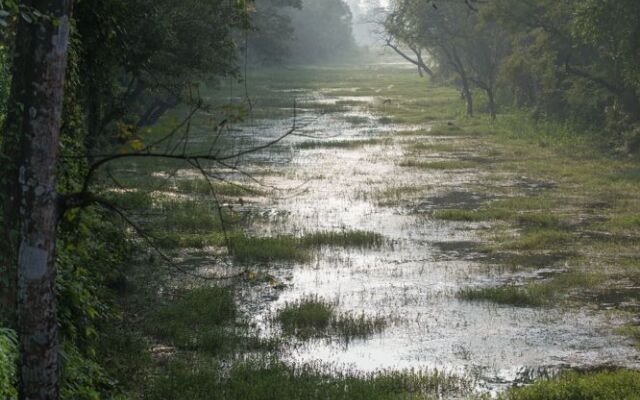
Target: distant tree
(271, 34)
(456, 37)
(322, 31)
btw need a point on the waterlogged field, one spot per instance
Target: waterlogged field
(388, 248)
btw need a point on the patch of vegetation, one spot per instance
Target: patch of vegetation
(437, 165)
(630, 331)
(531, 295)
(270, 379)
(204, 188)
(267, 249)
(307, 317)
(174, 240)
(471, 215)
(540, 239)
(394, 195)
(356, 120)
(350, 326)
(296, 249)
(315, 317)
(440, 147)
(8, 363)
(190, 216)
(347, 238)
(605, 385)
(199, 319)
(342, 144)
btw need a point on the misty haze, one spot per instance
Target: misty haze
(320, 199)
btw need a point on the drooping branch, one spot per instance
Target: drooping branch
(419, 62)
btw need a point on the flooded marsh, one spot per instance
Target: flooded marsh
(374, 241)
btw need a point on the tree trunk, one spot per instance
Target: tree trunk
(10, 157)
(466, 91)
(37, 98)
(492, 103)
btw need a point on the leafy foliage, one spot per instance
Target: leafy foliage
(8, 362)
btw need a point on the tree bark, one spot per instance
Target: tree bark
(492, 103)
(466, 91)
(10, 156)
(37, 98)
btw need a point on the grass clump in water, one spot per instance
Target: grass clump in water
(357, 326)
(437, 165)
(199, 319)
(315, 317)
(630, 331)
(203, 187)
(267, 249)
(471, 215)
(540, 239)
(607, 385)
(291, 248)
(355, 238)
(532, 295)
(342, 144)
(306, 317)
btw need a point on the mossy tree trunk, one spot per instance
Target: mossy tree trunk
(36, 106)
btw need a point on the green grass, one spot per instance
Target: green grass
(247, 249)
(175, 241)
(199, 319)
(297, 249)
(203, 187)
(307, 317)
(630, 331)
(350, 238)
(441, 147)
(531, 295)
(315, 317)
(8, 363)
(190, 216)
(272, 380)
(541, 239)
(437, 165)
(471, 215)
(351, 326)
(570, 285)
(342, 144)
(394, 196)
(607, 385)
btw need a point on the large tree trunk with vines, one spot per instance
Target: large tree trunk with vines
(36, 102)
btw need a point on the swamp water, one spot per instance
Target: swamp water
(412, 279)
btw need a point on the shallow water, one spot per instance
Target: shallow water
(413, 278)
